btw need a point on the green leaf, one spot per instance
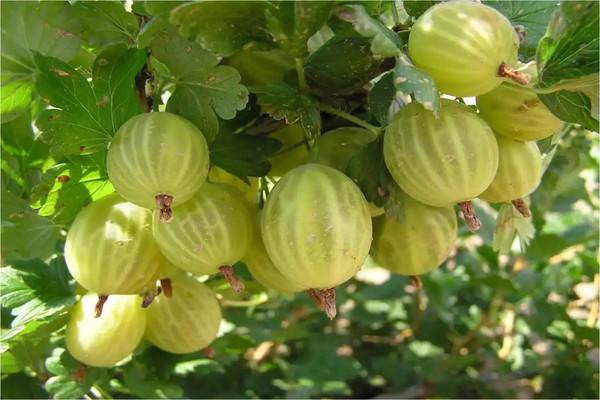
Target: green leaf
(72, 379)
(67, 187)
(24, 233)
(415, 8)
(203, 90)
(243, 155)
(294, 22)
(105, 22)
(510, 224)
(225, 30)
(381, 97)
(385, 43)
(29, 27)
(141, 382)
(87, 116)
(568, 59)
(33, 290)
(532, 15)
(284, 101)
(20, 386)
(411, 80)
(341, 65)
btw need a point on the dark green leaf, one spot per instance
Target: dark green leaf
(385, 43)
(67, 187)
(294, 22)
(29, 27)
(21, 386)
(415, 8)
(24, 233)
(141, 382)
(532, 15)
(224, 30)
(381, 97)
(243, 155)
(203, 90)
(568, 61)
(284, 101)
(33, 289)
(106, 22)
(411, 80)
(86, 117)
(341, 65)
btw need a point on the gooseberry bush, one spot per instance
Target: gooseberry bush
(285, 199)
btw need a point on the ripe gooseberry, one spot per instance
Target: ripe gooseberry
(105, 340)
(158, 159)
(467, 47)
(317, 229)
(186, 322)
(441, 161)
(213, 231)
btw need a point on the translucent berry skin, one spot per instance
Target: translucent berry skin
(316, 226)
(462, 45)
(157, 153)
(440, 161)
(418, 245)
(213, 228)
(110, 248)
(108, 339)
(261, 267)
(186, 322)
(518, 173)
(517, 113)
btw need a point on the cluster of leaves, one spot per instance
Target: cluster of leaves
(73, 73)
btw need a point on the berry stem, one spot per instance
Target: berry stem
(522, 207)
(416, 282)
(351, 118)
(328, 299)
(99, 305)
(506, 71)
(164, 203)
(165, 284)
(235, 282)
(301, 78)
(469, 215)
(210, 353)
(313, 294)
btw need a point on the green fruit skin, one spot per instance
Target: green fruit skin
(157, 153)
(518, 173)
(440, 161)
(462, 45)
(316, 226)
(261, 267)
(517, 113)
(214, 228)
(110, 248)
(259, 68)
(186, 322)
(108, 339)
(335, 148)
(290, 136)
(419, 244)
(167, 269)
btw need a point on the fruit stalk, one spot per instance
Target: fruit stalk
(164, 203)
(521, 207)
(328, 299)
(313, 294)
(473, 223)
(99, 305)
(235, 282)
(165, 284)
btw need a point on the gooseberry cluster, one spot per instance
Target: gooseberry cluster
(316, 228)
